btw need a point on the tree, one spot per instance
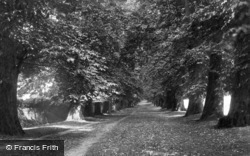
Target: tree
(162, 64)
(207, 28)
(195, 85)
(80, 41)
(239, 114)
(8, 76)
(213, 96)
(181, 47)
(88, 57)
(18, 20)
(214, 87)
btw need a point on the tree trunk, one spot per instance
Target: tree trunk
(9, 122)
(181, 106)
(160, 101)
(75, 113)
(89, 109)
(171, 101)
(110, 106)
(239, 114)
(195, 105)
(213, 95)
(163, 99)
(174, 103)
(98, 108)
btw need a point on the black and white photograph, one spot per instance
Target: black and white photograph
(124, 77)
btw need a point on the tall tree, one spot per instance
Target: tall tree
(18, 20)
(195, 89)
(213, 97)
(85, 50)
(214, 87)
(239, 114)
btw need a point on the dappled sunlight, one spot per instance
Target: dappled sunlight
(34, 93)
(144, 102)
(26, 96)
(150, 152)
(77, 128)
(203, 101)
(226, 104)
(47, 86)
(65, 124)
(39, 85)
(76, 115)
(66, 127)
(29, 114)
(186, 102)
(174, 116)
(62, 128)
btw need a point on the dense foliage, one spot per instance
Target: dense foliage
(190, 49)
(86, 53)
(163, 50)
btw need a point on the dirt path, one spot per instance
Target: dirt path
(145, 131)
(82, 149)
(151, 131)
(78, 136)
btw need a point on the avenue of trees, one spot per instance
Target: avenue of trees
(198, 49)
(162, 50)
(77, 46)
